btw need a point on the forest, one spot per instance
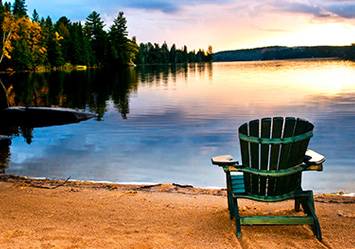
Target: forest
(283, 53)
(35, 43)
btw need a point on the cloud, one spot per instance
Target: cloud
(344, 10)
(319, 8)
(302, 8)
(163, 6)
(168, 6)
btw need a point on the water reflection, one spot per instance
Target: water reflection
(76, 89)
(163, 123)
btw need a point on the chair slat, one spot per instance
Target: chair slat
(289, 129)
(277, 124)
(254, 155)
(297, 152)
(244, 149)
(264, 161)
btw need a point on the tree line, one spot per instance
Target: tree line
(154, 54)
(32, 42)
(281, 53)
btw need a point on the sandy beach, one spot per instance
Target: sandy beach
(59, 214)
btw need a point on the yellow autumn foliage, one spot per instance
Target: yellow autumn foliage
(10, 28)
(58, 37)
(21, 29)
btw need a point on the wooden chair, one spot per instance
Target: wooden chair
(274, 155)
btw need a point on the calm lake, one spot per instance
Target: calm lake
(164, 123)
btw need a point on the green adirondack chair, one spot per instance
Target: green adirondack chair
(274, 155)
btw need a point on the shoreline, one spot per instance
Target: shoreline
(42, 213)
(69, 181)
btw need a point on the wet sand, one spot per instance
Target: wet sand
(58, 214)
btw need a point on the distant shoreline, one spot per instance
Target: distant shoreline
(296, 59)
(286, 53)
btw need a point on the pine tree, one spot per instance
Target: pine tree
(94, 30)
(62, 26)
(122, 49)
(19, 9)
(165, 53)
(173, 54)
(81, 45)
(185, 58)
(35, 16)
(53, 43)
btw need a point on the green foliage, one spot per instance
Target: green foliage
(19, 8)
(94, 30)
(35, 16)
(121, 48)
(81, 46)
(29, 44)
(52, 43)
(154, 54)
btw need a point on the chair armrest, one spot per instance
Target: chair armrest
(267, 173)
(313, 157)
(223, 160)
(314, 160)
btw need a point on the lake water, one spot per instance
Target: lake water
(164, 123)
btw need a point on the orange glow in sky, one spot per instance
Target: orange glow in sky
(224, 24)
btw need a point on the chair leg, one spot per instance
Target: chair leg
(297, 204)
(308, 207)
(237, 218)
(230, 195)
(316, 227)
(230, 205)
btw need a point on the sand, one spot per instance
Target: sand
(58, 214)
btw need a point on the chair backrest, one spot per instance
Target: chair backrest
(273, 144)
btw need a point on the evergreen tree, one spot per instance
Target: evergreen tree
(200, 57)
(165, 53)
(53, 43)
(122, 49)
(35, 16)
(141, 55)
(19, 9)
(150, 53)
(94, 30)
(7, 6)
(156, 53)
(81, 45)
(62, 26)
(184, 55)
(173, 58)
(192, 56)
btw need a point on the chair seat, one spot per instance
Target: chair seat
(238, 184)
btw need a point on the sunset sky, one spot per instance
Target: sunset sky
(224, 24)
